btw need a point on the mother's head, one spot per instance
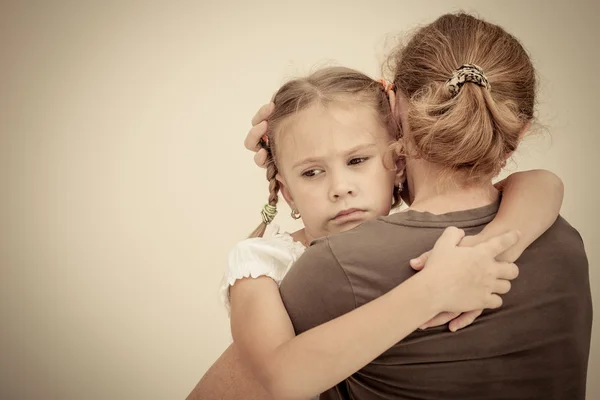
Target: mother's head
(466, 89)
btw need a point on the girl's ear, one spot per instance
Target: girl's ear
(400, 177)
(283, 188)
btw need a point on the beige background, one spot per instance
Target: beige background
(124, 181)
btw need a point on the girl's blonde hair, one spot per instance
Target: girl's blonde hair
(470, 132)
(323, 87)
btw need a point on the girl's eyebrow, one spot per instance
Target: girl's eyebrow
(307, 161)
(361, 147)
(316, 159)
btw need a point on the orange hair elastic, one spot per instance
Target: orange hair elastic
(386, 85)
(264, 142)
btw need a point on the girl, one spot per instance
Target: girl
(327, 138)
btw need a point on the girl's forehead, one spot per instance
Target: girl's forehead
(346, 120)
(341, 112)
(328, 131)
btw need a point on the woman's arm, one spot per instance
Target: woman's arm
(300, 367)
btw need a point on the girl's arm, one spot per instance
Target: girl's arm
(300, 367)
(531, 202)
(229, 379)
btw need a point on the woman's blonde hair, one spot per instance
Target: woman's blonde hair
(471, 130)
(323, 87)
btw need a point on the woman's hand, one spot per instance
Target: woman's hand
(258, 130)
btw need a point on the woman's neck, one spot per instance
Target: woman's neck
(429, 194)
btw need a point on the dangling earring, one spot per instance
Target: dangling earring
(400, 186)
(295, 213)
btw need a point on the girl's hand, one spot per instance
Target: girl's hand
(469, 278)
(258, 130)
(457, 320)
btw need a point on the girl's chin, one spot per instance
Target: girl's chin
(346, 226)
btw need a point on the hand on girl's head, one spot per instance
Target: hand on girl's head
(263, 113)
(258, 130)
(252, 143)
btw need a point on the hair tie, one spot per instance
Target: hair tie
(264, 142)
(268, 213)
(467, 73)
(386, 85)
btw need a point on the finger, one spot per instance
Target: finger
(440, 319)
(494, 301)
(254, 134)
(501, 286)
(419, 262)
(263, 113)
(464, 320)
(501, 243)
(451, 237)
(508, 271)
(260, 158)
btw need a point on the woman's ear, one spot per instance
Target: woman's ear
(522, 133)
(524, 130)
(283, 188)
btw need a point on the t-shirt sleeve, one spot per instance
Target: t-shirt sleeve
(316, 289)
(252, 258)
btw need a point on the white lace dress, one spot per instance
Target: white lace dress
(271, 255)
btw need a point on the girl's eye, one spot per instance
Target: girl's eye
(358, 160)
(312, 173)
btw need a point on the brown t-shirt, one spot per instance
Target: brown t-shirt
(536, 346)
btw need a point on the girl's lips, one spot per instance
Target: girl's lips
(350, 214)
